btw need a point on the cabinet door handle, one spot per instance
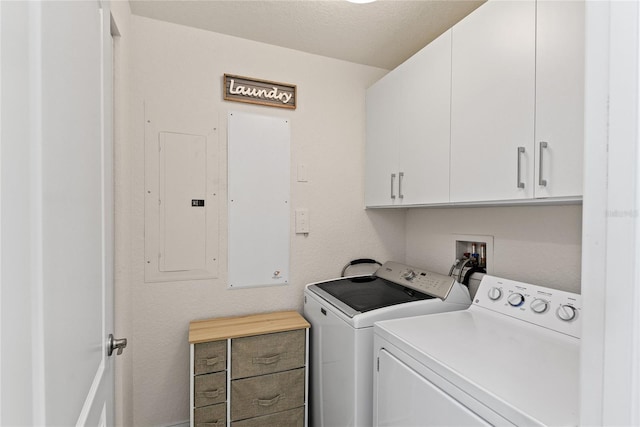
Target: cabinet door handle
(209, 362)
(400, 177)
(213, 361)
(393, 184)
(267, 360)
(210, 394)
(267, 402)
(520, 152)
(541, 182)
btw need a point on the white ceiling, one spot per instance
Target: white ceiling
(381, 34)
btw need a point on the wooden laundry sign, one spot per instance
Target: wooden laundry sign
(261, 92)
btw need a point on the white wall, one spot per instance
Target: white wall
(535, 244)
(176, 70)
(610, 353)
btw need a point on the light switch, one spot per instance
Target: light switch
(302, 221)
(302, 172)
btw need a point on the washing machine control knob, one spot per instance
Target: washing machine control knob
(566, 313)
(495, 294)
(408, 275)
(539, 305)
(516, 299)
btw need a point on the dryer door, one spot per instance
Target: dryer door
(404, 398)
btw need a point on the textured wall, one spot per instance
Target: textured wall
(178, 70)
(535, 244)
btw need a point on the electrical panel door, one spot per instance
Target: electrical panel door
(183, 169)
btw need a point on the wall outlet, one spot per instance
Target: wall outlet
(302, 172)
(302, 221)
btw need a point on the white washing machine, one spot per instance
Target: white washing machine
(342, 312)
(511, 358)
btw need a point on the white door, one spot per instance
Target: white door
(559, 129)
(68, 205)
(382, 131)
(425, 124)
(77, 212)
(492, 103)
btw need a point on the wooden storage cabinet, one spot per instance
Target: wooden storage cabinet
(249, 371)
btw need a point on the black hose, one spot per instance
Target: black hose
(467, 275)
(359, 261)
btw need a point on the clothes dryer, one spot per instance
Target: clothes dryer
(511, 358)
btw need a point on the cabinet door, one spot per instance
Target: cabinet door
(559, 98)
(381, 153)
(425, 125)
(492, 104)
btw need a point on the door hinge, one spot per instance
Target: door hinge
(378, 365)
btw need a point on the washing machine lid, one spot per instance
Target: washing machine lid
(354, 295)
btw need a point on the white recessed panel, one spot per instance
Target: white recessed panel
(259, 191)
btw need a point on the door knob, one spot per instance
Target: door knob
(115, 344)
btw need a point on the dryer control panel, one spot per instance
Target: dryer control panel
(550, 308)
(434, 284)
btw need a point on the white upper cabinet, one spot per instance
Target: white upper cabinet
(408, 130)
(381, 154)
(490, 112)
(425, 125)
(559, 132)
(492, 103)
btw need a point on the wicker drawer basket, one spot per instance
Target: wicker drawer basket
(266, 354)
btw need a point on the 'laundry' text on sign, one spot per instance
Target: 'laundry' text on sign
(262, 92)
